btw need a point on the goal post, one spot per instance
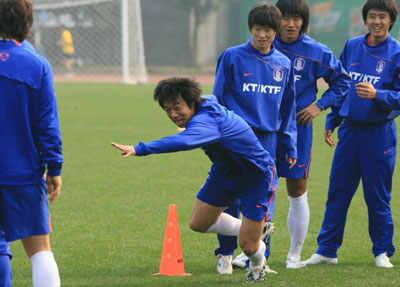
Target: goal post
(107, 37)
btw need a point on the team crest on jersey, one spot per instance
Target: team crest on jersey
(299, 64)
(380, 66)
(4, 56)
(278, 75)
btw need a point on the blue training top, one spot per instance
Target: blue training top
(259, 88)
(376, 64)
(227, 140)
(30, 137)
(312, 60)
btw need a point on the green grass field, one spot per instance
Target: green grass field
(110, 219)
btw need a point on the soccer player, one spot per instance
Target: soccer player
(241, 167)
(311, 60)
(256, 82)
(367, 137)
(30, 142)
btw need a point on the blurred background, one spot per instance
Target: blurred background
(136, 41)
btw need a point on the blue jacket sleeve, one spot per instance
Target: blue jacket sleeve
(287, 135)
(223, 77)
(47, 124)
(333, 119)
(332, 71)
(390, 99)
(201, 131)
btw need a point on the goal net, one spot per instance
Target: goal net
(107, 39)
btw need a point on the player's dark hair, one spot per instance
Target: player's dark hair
(295, 8)
(265, 15)
(16, 18)
(170, 89)
(389, 6)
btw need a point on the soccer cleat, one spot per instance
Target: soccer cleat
(240, 261)
(318, 259)
(292, 263)
(256, 273)
(224, 264)
(382, 260)
(269, 228)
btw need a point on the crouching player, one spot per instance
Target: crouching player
(241, 168)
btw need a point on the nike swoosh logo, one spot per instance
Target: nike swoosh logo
(354, 64)
(301, 165)
(247, 74)
(387, 151)
(259, 205)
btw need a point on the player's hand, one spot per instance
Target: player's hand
(127, 150)
(328, 138)
(366, 90)
(305, 117)
(291, 161)
(54, 184)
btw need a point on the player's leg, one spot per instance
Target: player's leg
(44, 267)
(28, 218)
(227, 244)
(377, 170)
(5, 262)
(344, 180)
(298, 219)
(5, 271)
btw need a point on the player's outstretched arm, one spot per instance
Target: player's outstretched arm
(127, 150)
(54, 184)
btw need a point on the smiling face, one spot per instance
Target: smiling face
(262, 38)
(290, 28)
(179, 112)
(378, 24)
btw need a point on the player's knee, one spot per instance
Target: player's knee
(197, 227)
(248, 247)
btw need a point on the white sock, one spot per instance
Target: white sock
(298, 220)
(226, 225)
(44, 270)
(257, 259)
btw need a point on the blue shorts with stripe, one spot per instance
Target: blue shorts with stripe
(24, 210)
(255, 194)
(304, 150)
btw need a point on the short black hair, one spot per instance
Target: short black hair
(170, 89)
(295, 8)
(389, 6)
(16, 19)
(265, 15)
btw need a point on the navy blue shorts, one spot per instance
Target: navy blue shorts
(24, 210)
(304, 150)
(255, 194)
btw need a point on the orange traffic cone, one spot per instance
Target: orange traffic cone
(172, 256)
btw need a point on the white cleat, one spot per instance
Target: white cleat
(292, 263)
(256, 273)
(318, 259)
(224, 264)
(382, 260)
(269, 228)
(240, 261)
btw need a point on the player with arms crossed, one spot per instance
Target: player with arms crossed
(367, 137)
(311, 60)
(241, 167)
(30, 142)
(256, 82)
